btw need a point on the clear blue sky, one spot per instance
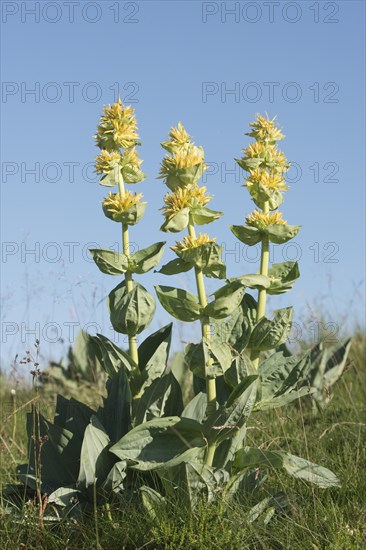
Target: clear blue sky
(303, 61)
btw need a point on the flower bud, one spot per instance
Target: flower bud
(191, 196)
(117, 128)
(106, 161)
(188, 243)
(261, 220)
(127, 208)
(265, 130)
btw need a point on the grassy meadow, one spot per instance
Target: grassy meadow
(308, 518)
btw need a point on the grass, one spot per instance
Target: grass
(316, 519)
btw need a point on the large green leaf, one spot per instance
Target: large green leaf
(240, 368)
(82, 359)
(282, 400)
(295, 466)
(131, 312)
(95, 460)
(110, 356)
(193, 482)
(203, 215)
(196, 408)
(234, 413)
(153, 355)
(236, 330)
(179, 303)
(59, 453)
(163, 397)
(160, 442)
(282, 277)
(115, 415)
(336, 363)
(176, 223)
(154, 350)
(175, 266)
(281, 374)
(246, 234)
(227, 448)
(147, 258)
(114, 481)
(268, 334)
(109, 261)
(227, 300)
(72, 415)
(64, 496)
(208, 358)
(111, 179)
(327, 367)
(280, 234)
(254, 280)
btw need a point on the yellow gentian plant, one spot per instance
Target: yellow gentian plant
(196, 449)
(131, 306)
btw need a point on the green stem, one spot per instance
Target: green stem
(206, 333)
(262, 294)
(14, 401)
(108, 511)
(128, 275)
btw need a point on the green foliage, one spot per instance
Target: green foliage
(131, 216)
(327, 366)
(269, 334)
(181, 304)
(131, 312)
(145, 439)
(147, 258)
(81, 365)
(277, 233)
(110, 262)
(282, 277)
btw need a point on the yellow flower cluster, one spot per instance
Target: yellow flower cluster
(269, 154)
(117, 127)
(131, 157)
(270, 180)
(191, 196)
(185, 157)
(183, 152)
(261, 220)
(116, 204)
(179, 137)
(265, 129)
(104, 159)
(188, 243)
(263, 160)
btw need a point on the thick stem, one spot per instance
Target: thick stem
(206, 333)
(262, 294)
(128, 275)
